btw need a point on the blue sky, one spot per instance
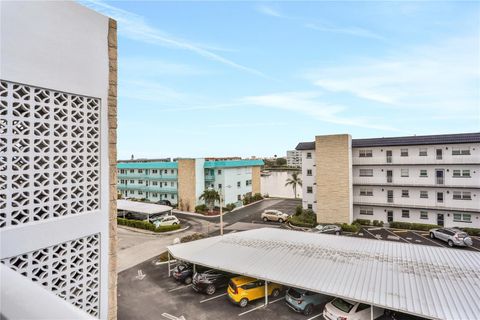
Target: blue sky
(255, 78)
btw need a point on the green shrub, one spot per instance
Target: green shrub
(230, 206)
(472, 231)
(380, 223)
(349, 227)
(307, 218)
(201, 208)
(298, 210)
(145, 225)
(375, 223)
(412, 226)
(299, 222)
(363, 222)
(257, 197)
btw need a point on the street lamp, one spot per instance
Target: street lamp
(221, 210)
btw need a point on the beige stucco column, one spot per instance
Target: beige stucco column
(186, 185)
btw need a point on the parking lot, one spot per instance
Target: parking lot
(153, 295)
(410, 236)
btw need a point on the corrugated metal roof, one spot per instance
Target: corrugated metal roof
(405, 141)
(147, 165)
(427, 281)
(233, 163)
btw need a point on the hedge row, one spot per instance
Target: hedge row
(472, 231)
(412, 226)
(299, 222)
(145, 225)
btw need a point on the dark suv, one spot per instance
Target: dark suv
(183, 272)
(209, 281)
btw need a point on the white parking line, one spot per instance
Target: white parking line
(314, 317)
(427, 238)
(372, 234)
(178, 288)
(279, 299)
(397, 235)
(220, 295)
(260, 306)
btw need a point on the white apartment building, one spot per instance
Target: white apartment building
(423, 179)
(294, 158)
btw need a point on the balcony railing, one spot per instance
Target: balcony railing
(127, 176)
(389, 159)
(389, 179)
(209, 177)
(440, 181)
(156, 189)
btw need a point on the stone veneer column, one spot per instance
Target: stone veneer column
(256, 188)
(112, 154)
(187, 197)
(333, 163)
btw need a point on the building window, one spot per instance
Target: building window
(423, 215)
(457, 173)
(154, 195)
(165, 171)
(439, 196)
(140, 171)
(405, 213)
(219, 186)
(239, 184)
(132, 181)
(172, 196)
(155, 183)
(405, 194)
(122, 170)
(131, 191)
(140, 193)
(461, 152)
(366, 211)
(172, 171)
(466, 173)
(309, 172)
(424, 194)
(366, 192)
(132, 171)
(309, 206)
(423, 173)
(309, 189)
(239, 197)
(423, 152)
(140, 181)
(365, 153)
(404, 172)
(309, 155)
(462, 195)
(462, 217)
(154, 171)
(404, 152)
(461, 173)
(172, 184)
(366, 172)
(219, 171)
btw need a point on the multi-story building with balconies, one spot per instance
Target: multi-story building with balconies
(183, 181)
(294, 158)
(425, 179)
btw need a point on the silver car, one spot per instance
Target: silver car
(328, 228)
(452, 236)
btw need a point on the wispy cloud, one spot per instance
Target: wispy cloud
(443, 77)
(141, 67)
(319, 26)
(269, 11)
(307, 103)
(135, 27)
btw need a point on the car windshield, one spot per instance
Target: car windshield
(342, 305)
(294, 293)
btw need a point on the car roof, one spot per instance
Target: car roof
(273, 210)
(242, 280)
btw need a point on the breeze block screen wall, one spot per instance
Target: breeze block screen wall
(57, 147)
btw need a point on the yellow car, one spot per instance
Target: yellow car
(241, 290)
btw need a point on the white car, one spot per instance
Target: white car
(274, 215)
(350, 310)
(166, 221)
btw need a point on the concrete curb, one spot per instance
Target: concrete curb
(151, 232)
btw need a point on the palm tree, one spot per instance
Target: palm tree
(210, 196)
(294, 181)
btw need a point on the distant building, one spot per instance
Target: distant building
(424, 179)
(294, 158)
(182, 182)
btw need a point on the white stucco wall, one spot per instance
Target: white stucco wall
(61, 46)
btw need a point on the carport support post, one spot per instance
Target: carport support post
(371, 312)
(168, 263)
(194, 268)
(266, 293)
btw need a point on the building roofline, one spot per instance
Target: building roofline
(457, 138)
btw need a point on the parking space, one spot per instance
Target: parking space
(287, 206)
(151, 294)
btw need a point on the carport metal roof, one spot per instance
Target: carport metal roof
(421, 280)
(141, 207)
